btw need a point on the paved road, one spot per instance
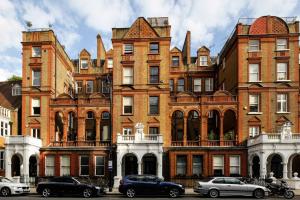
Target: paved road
(110, 197)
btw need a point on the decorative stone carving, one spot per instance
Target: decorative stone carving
(286, 132)
(139, 134)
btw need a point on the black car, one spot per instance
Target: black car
(133, 185)
(67, 186)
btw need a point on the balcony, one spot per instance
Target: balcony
(145, 138)
(80, 143)
(254, 55)
(153, 58)
(22, 139)
(207, 143)
(267, 138)
(282, 53)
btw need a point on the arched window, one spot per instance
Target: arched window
(72, 126)
(90, 126)
(193, 126)
(177, 126)
(59, 126)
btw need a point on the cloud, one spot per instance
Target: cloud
(10, 65)
(10, 34)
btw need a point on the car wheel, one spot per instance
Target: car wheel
(46, 192)
(259, 193)
(5, 192)
(213, 193)
(130, 192)
(174, 192)
(87, 193)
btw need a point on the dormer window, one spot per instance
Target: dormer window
(128, 48)
(16, 90)
(175, 61)
(84, 64)
(110, 63)
(36, 52)
(203, 61)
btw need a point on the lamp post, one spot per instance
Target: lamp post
(110, 158)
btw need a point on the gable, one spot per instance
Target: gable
(34, 122)
(126, 120)
(153, 120)
(84, 52)
(281, 120)
(254, 120)
(141, 29)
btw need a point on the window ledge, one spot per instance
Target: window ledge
(283, 80)
(34, 115)
(255, 113)
(282, 49)
(127, 114)
(283, 112)
(254, 51)
(254, 81)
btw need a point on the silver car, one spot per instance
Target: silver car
(8, 187)
(229, 186)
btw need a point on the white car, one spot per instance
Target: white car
(8, 187)
(229, 186)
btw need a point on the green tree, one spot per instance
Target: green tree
(14, 78)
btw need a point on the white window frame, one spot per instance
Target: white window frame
(35, 53)
(128, 48)
(252, 101)
(77, 89)
(99, 165)
(177, 61)
(281, 72)
(16, 90)
(127, 131)
(110, 63)
(89, 86)
(51, 166)
(254, 72)
(282, 101)
(2, 128)
(36, 78)
(84, 166)
(281, 44)
(181, 165)
(84, 64)
(203, 60)
(35, 132)
(209, 84)
(65, 166)
(235, 166)
(127, 75)
(217, 165)
(254, 45)
(35, 103)
(254, 131)
(127, 101)
(197, 84)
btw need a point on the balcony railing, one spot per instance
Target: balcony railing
(273, 138)
(127, 58)
(145, 138)
(207, 143)
(80, 143)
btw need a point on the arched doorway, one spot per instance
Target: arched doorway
(130, 164)
(90, 126)
(32, 166)
(213, 129)
(229, 125)
(149, 164)
(72, 126)
(255, 167)
(193, 126)
(275, 165)
(177, 126)
(294, 165)
(16, 163)
(59, 126)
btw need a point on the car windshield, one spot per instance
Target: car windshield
(5, 180)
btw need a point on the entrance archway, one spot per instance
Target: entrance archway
(255, 167)
(32, 166)
(275, 165)
(149, 164)
(294, 165)
(16, 162)
(130, 164)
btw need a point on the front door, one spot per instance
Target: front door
(131, 166)
(149, 165)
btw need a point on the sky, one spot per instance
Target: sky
(77, 22)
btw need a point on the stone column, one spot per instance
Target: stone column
(285, 171)
(119, 163)
(159, 164)
(184, 131)
(204, 131)
(65, 129)
(263, 166)
(250, 169)
(221, 131)
(139, 167)
(25, 165)
(97, 129)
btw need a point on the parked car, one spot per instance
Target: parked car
(229, 186)
(133, 185)
(67, 186)
(8, 187)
